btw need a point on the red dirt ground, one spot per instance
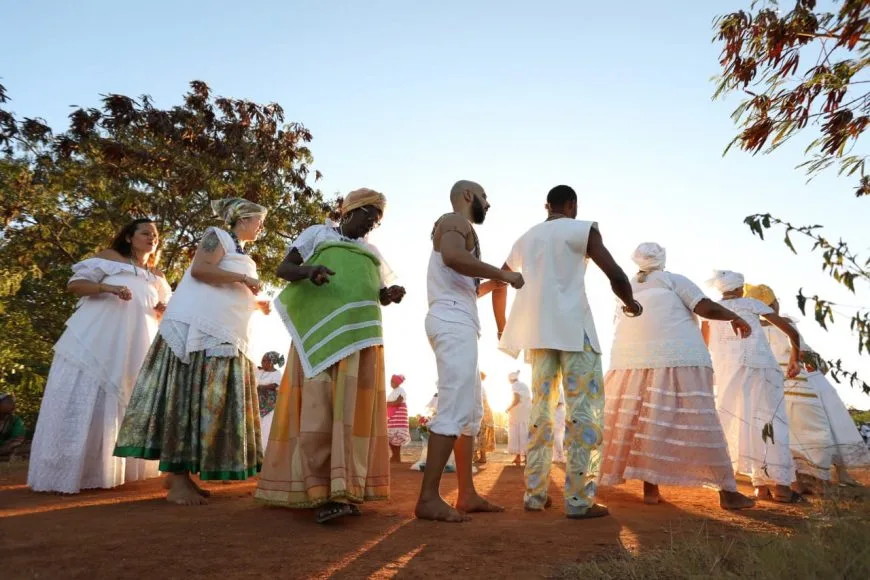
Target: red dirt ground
(131, 532)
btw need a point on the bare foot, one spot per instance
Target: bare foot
(651, 494)
(439, 511)
(476, 504)
(595, 511)
(733, 500)
(182, 491)
(167, 484)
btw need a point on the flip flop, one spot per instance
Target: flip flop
(331, 511)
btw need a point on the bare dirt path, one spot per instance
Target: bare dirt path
(131, 532)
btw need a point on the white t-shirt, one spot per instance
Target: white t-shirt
(524, 409)
(667, 335)
(394, 395)
(310, 239)
(551, 311)
(728, 349)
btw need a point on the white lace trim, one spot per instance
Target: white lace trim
(188, 334)
(661, 354)
(673, 459)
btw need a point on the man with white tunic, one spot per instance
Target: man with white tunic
(551, 320)
(453, 328)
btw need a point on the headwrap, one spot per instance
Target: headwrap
(397, 380)
(761, 293)
(275, 358)
(235, 208)
(649, 257)
(362, 197)
(514, 376)
(726, 280)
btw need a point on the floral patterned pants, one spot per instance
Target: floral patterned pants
(582, 380)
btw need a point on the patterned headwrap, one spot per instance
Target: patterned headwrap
(275, 358)
(362, 197)
(649, 257)
(235, 208)
(761, 293)
(726, 281)
(397, 380)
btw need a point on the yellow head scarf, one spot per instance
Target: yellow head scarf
(761, 293)
(362, 197)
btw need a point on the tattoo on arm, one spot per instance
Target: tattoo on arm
(210, 243)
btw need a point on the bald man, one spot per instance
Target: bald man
(453, 327)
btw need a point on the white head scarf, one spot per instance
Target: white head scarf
(726, 280)
(650, 257)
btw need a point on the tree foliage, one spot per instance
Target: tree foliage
(66, 194)
(805, 70)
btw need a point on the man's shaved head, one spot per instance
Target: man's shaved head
(463, 185)
(469, 199)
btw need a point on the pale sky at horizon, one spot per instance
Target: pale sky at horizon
(407, 99)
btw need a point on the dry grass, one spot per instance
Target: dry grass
(834, 543)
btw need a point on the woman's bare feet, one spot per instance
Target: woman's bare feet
(183, 491)
(439, 510)
(733, 500)
(476, 504)
(167, 484)
(651, 494)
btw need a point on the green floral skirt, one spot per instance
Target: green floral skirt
(201, 417)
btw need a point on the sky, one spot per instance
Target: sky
(407, 99)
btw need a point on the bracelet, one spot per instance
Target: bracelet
(631, 315)
(100, 288)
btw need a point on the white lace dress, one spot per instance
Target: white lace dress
(750, 397)
(95, 365)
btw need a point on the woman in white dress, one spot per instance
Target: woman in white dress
(822, 434)
(95, 365)
(519, 413)
(660, 420)
(750, 395)
(268, 379)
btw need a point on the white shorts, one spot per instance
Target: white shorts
(460, 401)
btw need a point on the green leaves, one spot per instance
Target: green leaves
(65, 194)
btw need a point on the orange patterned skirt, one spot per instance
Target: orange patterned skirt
(328, 440)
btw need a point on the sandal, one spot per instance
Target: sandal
(794, 497)
(331, 511)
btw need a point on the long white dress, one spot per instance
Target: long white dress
(750, 397)
(95, 365)
(823, 433)
(518, 420)
(272, 377)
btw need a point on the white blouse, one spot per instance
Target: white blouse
(667, 335)
(394, 395)
(524, 408)
(310, 239)
(215, 318)
(727, 348)
(269, 377)
(109, 337)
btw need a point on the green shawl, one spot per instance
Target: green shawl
(330, 322)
